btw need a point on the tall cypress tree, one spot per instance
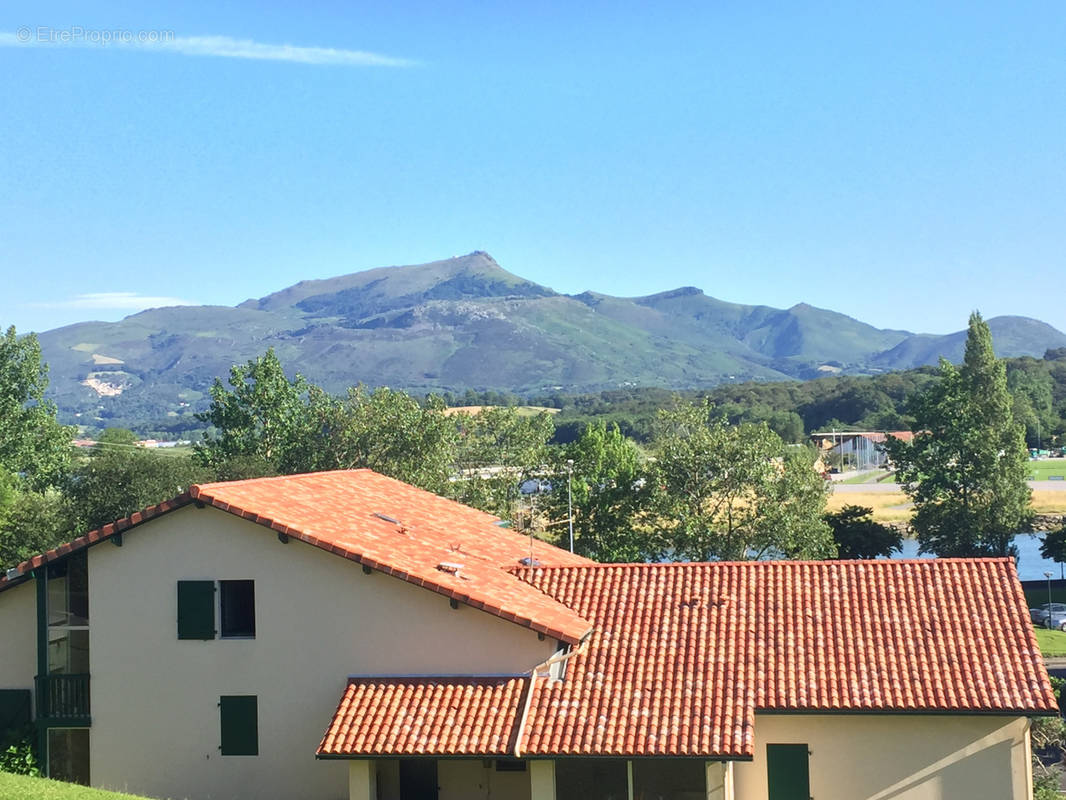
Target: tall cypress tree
(967, 465)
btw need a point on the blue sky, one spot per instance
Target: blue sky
(904, 167)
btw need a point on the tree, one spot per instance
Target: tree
(1053, 547)
(498, 449)
(736, 492)
(267, 424)
(114, 483)
(382, 429)
(608, 491)
(258, 418)
(32, 521)
(34, 447)
(858, 536)
(967, 465)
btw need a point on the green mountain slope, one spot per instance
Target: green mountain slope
(465, 322)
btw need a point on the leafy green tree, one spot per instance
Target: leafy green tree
(114, 483)
(1053, 546)
(858, 536)
(385, 430)
(497, 450)
(33, 446)
(967, 465)
(34, 521)
(259, 417)
(267, 424)
(1031, 390)
(116, 438)
(736, 492)
(609, 495)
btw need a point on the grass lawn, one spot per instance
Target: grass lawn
(879, 476)
(1052, 643)
(19, 787)
(1044, 468)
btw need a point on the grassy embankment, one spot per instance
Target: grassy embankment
(1052, 643)
(19, 787)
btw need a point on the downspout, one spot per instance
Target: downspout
(537, 671)
(525, 715)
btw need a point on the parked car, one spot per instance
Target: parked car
(1056, 621)
(1039, 616)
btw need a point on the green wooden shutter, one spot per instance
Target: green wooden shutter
(239, 715)
(196, 609)
(788, 772)
(14, 710)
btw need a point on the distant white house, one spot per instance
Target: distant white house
(856, 449)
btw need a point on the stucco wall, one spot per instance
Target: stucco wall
(896, 757)
(318, 619)
(18, 636)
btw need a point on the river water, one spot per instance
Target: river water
(1031, 566)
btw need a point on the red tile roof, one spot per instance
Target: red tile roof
(683, 656)
(420, 716)
(410, 534)
(669, 668)
(390, 526)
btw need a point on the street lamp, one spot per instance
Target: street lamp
(570, 500)
(1048, 576)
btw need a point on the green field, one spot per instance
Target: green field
(880, 476)
(1045, 468)
(19, 787)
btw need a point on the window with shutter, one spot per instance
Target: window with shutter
(196, 609)
(239, 717)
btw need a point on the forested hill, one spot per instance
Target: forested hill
(466, 322)
(796, 408)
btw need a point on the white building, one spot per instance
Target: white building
(416, 649)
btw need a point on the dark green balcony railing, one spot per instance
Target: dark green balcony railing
(63, 696)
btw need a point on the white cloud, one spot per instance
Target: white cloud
(217, 46)
(116, 300)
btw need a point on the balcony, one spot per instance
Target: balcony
(63, 698)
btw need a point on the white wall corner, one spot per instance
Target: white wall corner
(362, 779)
(542, 779)
(719, 780)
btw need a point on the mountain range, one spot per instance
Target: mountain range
(465, 322)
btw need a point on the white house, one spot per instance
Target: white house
(417, 649)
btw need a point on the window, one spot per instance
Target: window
(68, 755)
(15, 714)
(669, 779)
(591, 779)
(788, 772)
(237, 608)
(239, 724)
(68, 616)
(196, 609)
(510, 765)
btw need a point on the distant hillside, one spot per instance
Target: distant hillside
(467, 323)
